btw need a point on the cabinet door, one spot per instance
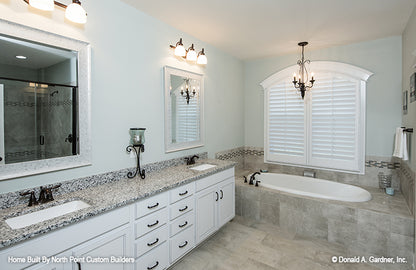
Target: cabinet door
(116, 243)
(206, 213)
(226, 208)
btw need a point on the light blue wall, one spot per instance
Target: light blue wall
(129, 51)
(382, 57)
(409, 61)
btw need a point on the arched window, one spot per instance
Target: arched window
(326, 129)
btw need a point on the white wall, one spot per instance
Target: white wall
(382, 57)
(129, 51)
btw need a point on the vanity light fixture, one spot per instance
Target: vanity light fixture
(73, 12)
(190, 54)
(136, 145)
(303, 74)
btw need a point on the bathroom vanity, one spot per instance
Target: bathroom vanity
(147, 224)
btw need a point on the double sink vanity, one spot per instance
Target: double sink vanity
(126, 224)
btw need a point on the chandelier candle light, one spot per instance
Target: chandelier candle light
(303, 75)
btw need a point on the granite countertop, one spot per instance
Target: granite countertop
(103, 198)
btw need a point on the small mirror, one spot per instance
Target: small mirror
(44, 101)
(183, 109)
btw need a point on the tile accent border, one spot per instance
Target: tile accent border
(13, 198)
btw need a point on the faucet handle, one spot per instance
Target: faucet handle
(32, 199)
(257, 183)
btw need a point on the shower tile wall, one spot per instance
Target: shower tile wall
(19, 122)
(407, 179)
(253, 159)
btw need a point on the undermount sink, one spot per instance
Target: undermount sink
(45, 214)
(203, 167)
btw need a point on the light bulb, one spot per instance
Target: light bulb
(191, 55)
(75, 13)
(180, 50)
(202, 60)
(46, 5)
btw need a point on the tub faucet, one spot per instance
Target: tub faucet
(253, 177)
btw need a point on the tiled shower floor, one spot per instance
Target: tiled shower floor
(248, 244)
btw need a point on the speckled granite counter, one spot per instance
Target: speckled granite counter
(104, 198)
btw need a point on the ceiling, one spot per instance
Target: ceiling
(250, 29)
(38, 56)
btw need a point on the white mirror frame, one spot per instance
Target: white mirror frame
(84, 157)
(173, 147)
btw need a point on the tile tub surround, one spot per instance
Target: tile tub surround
(407, 184)
(253, 158)
(105, 197)
(380, 227)
(13, 198)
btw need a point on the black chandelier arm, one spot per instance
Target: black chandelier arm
(137, 149)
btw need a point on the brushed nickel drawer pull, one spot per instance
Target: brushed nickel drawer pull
(154, 266)
(153, 243)
(183, 225)
(183, 209)
(184, 245)
(154, 224)
(153, 206)
(182, 194)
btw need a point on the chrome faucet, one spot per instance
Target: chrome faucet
(253, 177)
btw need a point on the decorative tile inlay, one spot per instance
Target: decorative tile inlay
(13, 198)
(382, 164)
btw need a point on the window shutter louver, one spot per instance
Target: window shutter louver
(333, 125)
(286, 136)
(187, 118)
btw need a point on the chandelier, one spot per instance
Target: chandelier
(187, 93)
(302, 83)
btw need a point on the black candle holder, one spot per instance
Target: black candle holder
(137, 149)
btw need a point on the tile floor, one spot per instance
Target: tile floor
(248, 244)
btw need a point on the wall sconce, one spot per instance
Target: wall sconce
(190, 54)
(136, 145)
(73, 12)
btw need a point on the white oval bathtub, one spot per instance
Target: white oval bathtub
(313, 187)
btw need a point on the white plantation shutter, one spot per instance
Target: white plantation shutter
(286, 123)
(327, 129)
(187, 119)
(334, 122)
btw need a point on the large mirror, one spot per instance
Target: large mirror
(184, 112)
(44, 102)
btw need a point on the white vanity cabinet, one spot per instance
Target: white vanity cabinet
(215, 203)
(155, 232)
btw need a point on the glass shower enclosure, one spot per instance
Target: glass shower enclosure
(39, 121)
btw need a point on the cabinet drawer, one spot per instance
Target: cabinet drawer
(181, 207)
(156, 259)
(151, 204)
(182, 243)
(214, 179)
(182, 192)
(182, 223)
(151, 240)
(151, 222)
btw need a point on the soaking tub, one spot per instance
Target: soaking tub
(313, 187)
